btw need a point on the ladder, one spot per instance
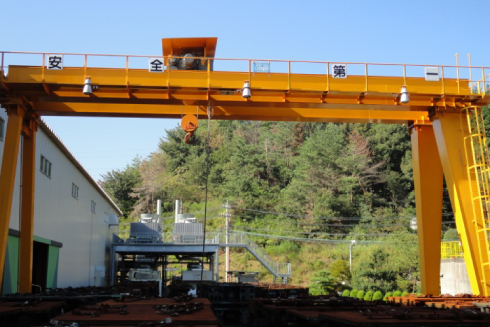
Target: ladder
(478, 170)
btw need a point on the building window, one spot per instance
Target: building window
(74, 191)
(2, 129)
(93, 206)
(45, 166)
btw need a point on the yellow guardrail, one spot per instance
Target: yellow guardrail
(255, 67)
(450, 250)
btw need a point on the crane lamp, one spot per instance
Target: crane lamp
(404, 95)
(246, 90)
(87, 87)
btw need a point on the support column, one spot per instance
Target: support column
(7, 177)
(450, 135)
(112, 278)
(428, 182)
(27, 209)
(217, 264)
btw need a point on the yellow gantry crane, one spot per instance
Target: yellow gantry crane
(442, 110)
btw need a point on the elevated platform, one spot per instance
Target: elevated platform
(195, 249)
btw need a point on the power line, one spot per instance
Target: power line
(115, 151)
(446, 214)
(312, 240)
(361, 224)
(307, 216)
(314, 233)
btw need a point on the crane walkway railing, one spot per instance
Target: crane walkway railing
(474, 78)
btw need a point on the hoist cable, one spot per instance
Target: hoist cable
(206, 193)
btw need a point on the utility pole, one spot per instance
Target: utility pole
(352, 242)
(227, 248)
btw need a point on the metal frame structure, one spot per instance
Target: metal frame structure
(443, 143)
(163, 250)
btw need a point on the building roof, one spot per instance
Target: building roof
(57, 141)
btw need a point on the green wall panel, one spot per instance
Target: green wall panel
(11, 269)
(53, 256)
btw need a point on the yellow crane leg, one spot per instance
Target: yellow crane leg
(27, 212)
(7, 177)
(450, 135)
(428, 182)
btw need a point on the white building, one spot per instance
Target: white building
(74, 220)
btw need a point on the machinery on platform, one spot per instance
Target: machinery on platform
(183, 54)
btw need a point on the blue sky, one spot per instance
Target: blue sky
(412, 32)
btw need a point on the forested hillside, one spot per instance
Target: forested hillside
(311, 187)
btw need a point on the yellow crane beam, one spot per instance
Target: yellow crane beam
(279, 96)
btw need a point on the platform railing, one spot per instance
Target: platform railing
(474, 78)
(279, 269)
(195, 239)
(126, 237)
(451, 250)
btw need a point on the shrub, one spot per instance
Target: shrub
(387, 295)
(353, 293)
(404, 294)
(397, 293)
(377, 296)
(451, 235)
(360, 295)
(346, 293)
(285, 247)
(368, 296)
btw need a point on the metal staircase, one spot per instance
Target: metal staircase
(478, 171)
(279, 270)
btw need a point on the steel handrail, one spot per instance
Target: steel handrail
(280, 269)
(243, 59)
(481, 88)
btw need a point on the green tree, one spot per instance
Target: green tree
(119, 185)
(404, 260)
(313, 186)
(360, 169)
(391, 144)
(375, 271)
(340, 271)
(321, 283)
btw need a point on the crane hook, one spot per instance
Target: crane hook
(189, 124)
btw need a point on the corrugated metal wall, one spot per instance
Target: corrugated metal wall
(60, 217)
(192, 229)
